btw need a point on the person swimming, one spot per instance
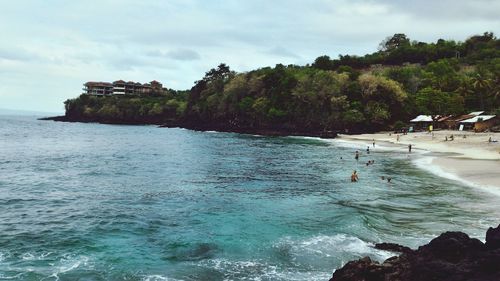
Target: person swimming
(354, 176)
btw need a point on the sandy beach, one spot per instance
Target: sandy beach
(471, 159)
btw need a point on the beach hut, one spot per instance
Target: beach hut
(441, 121)
(480, 123)
(422, 122)
(453, 122)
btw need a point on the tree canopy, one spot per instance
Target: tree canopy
(378, 90)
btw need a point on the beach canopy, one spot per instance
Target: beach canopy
(422, 118)
(478, 119)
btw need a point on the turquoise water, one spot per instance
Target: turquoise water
(104, 202)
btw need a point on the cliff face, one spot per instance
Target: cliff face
(453, 256)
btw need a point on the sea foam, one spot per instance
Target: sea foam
(426, 163)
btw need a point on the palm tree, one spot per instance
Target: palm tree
(481, 84)
(465, 88)
(496, 89)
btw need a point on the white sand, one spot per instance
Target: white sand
(472, 159)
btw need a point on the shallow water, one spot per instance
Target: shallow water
(104, 202)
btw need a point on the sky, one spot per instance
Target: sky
(49, 48)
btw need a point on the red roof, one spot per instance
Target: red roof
(98, 84)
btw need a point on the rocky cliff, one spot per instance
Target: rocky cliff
(452, 256)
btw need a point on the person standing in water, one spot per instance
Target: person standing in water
(356, 156)
(409, 148)
(354, 176)
(367, 150)
(373, 143)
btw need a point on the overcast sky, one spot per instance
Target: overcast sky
(49, 48)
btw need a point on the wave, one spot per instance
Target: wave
(426, 163)
(311, 258)
(70, 263)
(335, 248)
(261, 270)
(31, 257)
(159, 278)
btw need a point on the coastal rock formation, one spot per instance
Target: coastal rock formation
(453, 256)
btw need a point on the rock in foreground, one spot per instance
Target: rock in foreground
(453, 256)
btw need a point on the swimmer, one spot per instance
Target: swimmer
(354, 176)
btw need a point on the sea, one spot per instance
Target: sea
(81, 201)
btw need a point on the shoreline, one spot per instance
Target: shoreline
(264, 131)
(471, 160)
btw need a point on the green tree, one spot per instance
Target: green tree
(394, 42)
(482, 85)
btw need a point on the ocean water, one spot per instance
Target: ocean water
(106, 202)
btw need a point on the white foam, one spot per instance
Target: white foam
(72, 264)
(339, 245)
(69, 263)
(379, 146)
(426, 163)
(31, 257)
(321, 251)
(28, 257)
(14, 277)
(260, 270)
(159, 278)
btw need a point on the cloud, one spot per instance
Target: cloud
(177, 54)
(17, 55)
(282, 52)
(447, 10)
(57, 45)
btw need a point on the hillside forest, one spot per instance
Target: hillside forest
(385, 89)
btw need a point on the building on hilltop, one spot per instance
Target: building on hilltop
(121, 87)
(98, 88)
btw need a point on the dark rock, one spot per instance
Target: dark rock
(392, 247)
(493, 237)
(363, 269)
(451, 246)
(453, 256)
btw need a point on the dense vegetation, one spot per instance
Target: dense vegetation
(404, 78)
(129, 109)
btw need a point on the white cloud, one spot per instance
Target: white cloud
(49, 48)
